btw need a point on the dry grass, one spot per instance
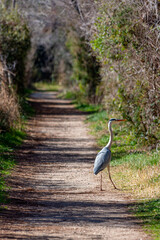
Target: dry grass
(142, 183)
(9, 107)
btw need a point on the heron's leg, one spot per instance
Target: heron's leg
(101, 182)
(110, 177)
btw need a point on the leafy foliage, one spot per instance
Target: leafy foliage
(126, 44)
(15, 42)
(85, 68)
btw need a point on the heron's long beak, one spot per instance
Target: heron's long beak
(121, 120)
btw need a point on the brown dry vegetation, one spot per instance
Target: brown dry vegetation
(143, 183)
(9, 107)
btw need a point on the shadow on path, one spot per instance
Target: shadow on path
(46, 193)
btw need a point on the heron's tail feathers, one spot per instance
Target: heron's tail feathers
(96, 171)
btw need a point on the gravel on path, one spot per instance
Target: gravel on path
(54, 193)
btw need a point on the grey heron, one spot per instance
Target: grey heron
(103, 158)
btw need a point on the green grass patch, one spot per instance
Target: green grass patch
(98, 117)
(8, 142)
(149, 212)
(70, 95)
(26, 108)
(6, 164)
(137, 160)
(80, 102)
(90, 108)
(47, 86)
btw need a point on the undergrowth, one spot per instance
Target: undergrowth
(80, 102)
(125, 42)
(149, 212)
(8, 142)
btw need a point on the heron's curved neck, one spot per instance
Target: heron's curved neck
(111, 135)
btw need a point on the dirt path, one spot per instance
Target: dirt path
(54, 192)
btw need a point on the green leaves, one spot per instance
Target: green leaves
(15, 42)
(113, 34)
(129, 68)
(85, 67)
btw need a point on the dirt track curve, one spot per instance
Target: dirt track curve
(54, 193)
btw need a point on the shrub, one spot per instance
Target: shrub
(125, 40)
(86, 68)
(14, 44)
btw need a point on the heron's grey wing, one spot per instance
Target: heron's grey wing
(102, 160)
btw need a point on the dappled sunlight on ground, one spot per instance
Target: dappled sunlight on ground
(54, 194)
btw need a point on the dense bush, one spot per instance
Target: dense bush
(126, 41)
(85, 67)
(14, 44)
(9, 109)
